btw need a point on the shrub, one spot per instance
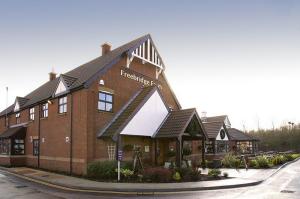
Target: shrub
(253, 163)
(278, 159)
(231, 161)
(289, 157)
(214, 172)
(262, 162)
(189, 174)
(126, 173)
(157, 174)
(127, 165)
(295, 156)
(176, 176)
(225, 174)
(102, 170)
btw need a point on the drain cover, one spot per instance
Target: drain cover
(287, 191)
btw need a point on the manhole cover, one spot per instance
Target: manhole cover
(287, 191)
(20, 186)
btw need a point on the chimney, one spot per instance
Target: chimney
(203, 116)
(52, 75)
(106, 47)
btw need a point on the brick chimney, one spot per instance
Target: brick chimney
(52, 75)
(106, 48)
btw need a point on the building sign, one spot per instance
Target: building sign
(139, 78)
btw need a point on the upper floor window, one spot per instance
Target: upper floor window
(18, 118)
(44, 110)
(62, 104)
(105, 102)
(31, 114)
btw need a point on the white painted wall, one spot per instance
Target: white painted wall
(148, 119)
(61, 88)
(219, 136)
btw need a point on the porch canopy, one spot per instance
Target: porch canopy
(15, 132)
(148, 115)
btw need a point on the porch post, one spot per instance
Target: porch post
(203, 153)
(179, 152)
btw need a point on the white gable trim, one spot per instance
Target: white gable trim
(219, 135)
(147, 52)
(17, 106)
(148, 119)
(61, 88)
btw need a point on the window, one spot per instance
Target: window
(18, 148)
(18, 119)
(222, 146)
(244, 147)
(36, 144)
(62, 104)
(209, 145)
(31, 114)
(4, 146)
(105, 102)
(44, 110)
(111, 149)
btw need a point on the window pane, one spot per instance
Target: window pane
(101, 106)
(109, 98)
(65, 108)
(108, 107)
(102, 96)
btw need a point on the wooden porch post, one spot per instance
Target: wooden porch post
(203, 153)
(179, 152)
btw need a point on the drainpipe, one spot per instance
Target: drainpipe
(39, 135)
(71, 136)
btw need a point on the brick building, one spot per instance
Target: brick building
(120, 100)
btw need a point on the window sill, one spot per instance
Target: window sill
(100, 111)
(62, 114)
(44, 118)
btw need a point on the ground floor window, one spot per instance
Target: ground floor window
(244, 147)
(19, 147)
(209, 147)
(36, 144)
(111, 150)
(4, 146)
(222, 146)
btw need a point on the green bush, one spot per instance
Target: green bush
(214, 172)
(231, 161)
(289, 157)
(262, 162)
(176, 176)
(278, 159)
(102, 170)
(157, 174)
(189, 174)
(127, 165)
(171, 154)
(126, 173)
(253, 163)
(295, 156)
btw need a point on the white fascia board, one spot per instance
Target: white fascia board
(61, 88)
(219, 135)
(148, 119)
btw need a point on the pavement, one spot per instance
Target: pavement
(240, 178)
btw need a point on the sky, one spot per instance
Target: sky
(239, 58)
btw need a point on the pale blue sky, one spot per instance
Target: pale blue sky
(239, 58)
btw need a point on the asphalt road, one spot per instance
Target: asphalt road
(284, 184)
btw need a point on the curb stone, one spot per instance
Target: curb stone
(139, 191)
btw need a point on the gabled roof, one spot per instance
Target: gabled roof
(237, 135)
(219, 118)
(213, 128)
(114, 127)
(177, 122)
(84, 75)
